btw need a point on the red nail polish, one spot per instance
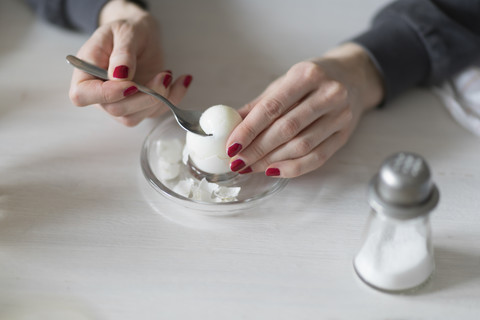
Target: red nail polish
(234, 149)
(129, 91)
(237, 165)
(169, 71)
(272, 172)
(120, 72)
(167, 80)
(246, 170)
(187, 81)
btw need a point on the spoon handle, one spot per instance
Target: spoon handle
(156, 95)
(88, 67)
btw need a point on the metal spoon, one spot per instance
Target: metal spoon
(187, 119)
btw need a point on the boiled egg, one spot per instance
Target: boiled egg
(209, 153)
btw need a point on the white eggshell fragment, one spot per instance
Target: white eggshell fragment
(205, 191)
(169, 153)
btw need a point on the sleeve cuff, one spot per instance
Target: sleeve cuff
(84, 15)
(397, 52)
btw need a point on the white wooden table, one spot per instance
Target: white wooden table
(82, 235)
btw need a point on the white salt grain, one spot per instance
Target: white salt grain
(395, 260)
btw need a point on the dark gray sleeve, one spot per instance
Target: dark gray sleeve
(79, 15)
(422, 42)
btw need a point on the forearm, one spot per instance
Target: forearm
(422, 42)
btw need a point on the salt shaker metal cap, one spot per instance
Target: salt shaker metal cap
(403, 188)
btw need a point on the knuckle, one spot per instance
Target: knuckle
(289, 128)
(115, 110)
(249, 106)
(152, 101)
(312, 71)
(336, 91)
(107, 95)
(344, 119)
(273, 108)
(75, 97)
(256, 151)
(248, 130)
(122, 27)
(303, 146)
(320, 158)
(308, 71)
(347, 114)
(295, 170)
(129, 121)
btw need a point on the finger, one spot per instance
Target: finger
(315, 159)
(96, 50)
(282, 130)
(178, 89)
(123, 58)
(243, 111)
(135, 118)
(328, 98)
(137, 101)
(308, 139)
(267, 110)
(95, 91)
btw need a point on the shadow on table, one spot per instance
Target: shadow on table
(41, 307)
(45, 189)
(305, 201)
(453, 269)
(266, 213)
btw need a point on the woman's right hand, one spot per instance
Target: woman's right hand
(127, 44)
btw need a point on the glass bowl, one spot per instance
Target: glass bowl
(255, 187)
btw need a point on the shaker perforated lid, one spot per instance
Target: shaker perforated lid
(403, 187)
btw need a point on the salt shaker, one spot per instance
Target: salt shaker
(397, 253)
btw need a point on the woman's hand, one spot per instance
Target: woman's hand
(127, 44)
(306, 115)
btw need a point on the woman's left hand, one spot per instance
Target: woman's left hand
(306, 115)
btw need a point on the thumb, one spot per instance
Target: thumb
(122, 63)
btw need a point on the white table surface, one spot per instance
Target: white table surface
(83, 236)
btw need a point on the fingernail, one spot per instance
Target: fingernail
(129, 91)
(272, 172)
(237, 165)
(234, 149)
(167, 80)
(120, 72)
(169, 71)
(246, 170)
(187, 80)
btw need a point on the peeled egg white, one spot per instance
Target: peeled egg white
(208, 153)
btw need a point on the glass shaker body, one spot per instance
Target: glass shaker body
(396, 255)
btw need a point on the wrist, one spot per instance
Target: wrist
(115, 10)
